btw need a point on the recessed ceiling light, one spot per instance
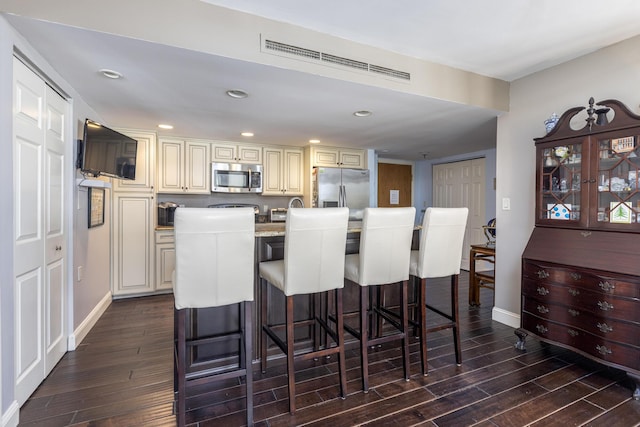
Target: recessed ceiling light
(237, 93)
(362, 113)
(247, 134)
(163, 126)
(314, 141)
(110, 73)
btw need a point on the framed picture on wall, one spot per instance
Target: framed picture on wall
(96, 206)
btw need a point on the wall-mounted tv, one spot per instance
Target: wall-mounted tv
(107, 152)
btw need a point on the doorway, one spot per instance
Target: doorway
(395, 185)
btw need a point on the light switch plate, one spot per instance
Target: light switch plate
(506, 204)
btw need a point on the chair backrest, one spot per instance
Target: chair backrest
(385, 245)
(214, 257)
(441, 240)
(314, 246)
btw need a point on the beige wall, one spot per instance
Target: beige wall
(611, 73)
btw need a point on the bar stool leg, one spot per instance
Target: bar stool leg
(423, 325)
(404, 319)
(182, 359)
(342, 364)
(364, 338)
(454, 315)
(264, 320)
(248, 344)
(290, 349)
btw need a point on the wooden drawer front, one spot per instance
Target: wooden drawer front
(610, 329)
(586, 279)
(595, 346)
(165, 237)
(594, 302)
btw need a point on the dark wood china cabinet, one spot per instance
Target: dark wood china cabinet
(581, 266)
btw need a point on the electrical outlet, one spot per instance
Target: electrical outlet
(80, 273)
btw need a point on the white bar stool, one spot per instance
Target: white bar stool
(440, 254)
(214, 267)
(314, 247)
(385, 247)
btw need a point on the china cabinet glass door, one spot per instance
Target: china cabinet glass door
(560, 183)
(618, 196)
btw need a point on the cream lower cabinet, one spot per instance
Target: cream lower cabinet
(165, 259)
(133, 244)
(283, 172)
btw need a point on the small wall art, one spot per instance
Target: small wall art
(96, 206)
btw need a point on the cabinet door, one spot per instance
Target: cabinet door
(224, 152)
(327, 157)
(352, 159)
(132, 260)
(272, 172)
(171, 166)
(196, 168)
(165, 264)
(249, 154)
(293, 177)
(145, 162)
(616, 192)
(563, 171)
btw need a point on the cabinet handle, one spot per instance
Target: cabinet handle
(585, 233)
(604, 327)
(542, 274)
(541, 329)
(576, 276)
(58, 248)
(606, 286)
(573, 333)
(573, 292)
(542, 309)
(603, 350)
(543, 291)
(574, 313)
(605, 306)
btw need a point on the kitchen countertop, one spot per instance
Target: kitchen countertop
(274, 229)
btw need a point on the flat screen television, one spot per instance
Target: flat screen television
(107, 152)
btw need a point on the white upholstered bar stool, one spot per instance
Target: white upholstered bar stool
(314, 247)
(385, 247)
(214, 267)
(439, 255)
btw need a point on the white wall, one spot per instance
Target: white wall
(611, 73)
(88, 246)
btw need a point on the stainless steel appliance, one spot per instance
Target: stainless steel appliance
(166, 213)
(278, 215)
(335, 187)
(236, 178)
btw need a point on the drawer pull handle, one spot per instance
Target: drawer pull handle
(542, 274)
(605, 306)
(574, 292)
(585, 233)
(541, 329)
(574, 313)
(573, 332)
(543, 291)
(606, 286)
(603, 350)
(576, 276)
(605, 328)
(542, 309)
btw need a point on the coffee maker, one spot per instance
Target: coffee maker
(166, 213)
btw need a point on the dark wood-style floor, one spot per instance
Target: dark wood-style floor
(122, 375)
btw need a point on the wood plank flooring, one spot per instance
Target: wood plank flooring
(122, 375)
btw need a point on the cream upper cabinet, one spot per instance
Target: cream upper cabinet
(183, 166)
(145, 158)
(236, 153)
(338, 157)
(283, 172)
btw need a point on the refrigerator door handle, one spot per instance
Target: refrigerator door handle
(344, 195)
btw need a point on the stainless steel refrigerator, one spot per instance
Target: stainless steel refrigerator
(336, 187)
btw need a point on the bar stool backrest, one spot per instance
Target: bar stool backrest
(314, 245)
(441, 240)
(214, 257)
(385, 245)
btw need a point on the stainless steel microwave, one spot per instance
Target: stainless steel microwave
(236, 178)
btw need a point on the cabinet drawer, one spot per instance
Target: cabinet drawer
(165, 236)
(608, 284)
(607, 328)
(594, 302)
(611, 352)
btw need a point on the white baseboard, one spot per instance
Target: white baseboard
(506, 317)
(83, 329)
(11, 417)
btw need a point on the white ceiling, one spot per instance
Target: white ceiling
(504, 39)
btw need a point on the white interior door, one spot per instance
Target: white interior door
(39, 231)
(462, 184)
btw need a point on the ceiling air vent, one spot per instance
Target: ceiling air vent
(288, 49)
